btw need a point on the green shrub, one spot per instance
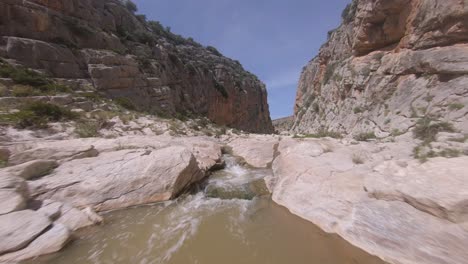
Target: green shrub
(396, 132)
(87, 129)
(141, 18)
(214, 51)
(92, 96)
(426, 129)
(316, 107)
(23, 76)
(423, 152)
(144, 62)
(3, 163)
(38, 114)
(78, 28)
(156, 27)
(41, 84)
(365, 136)
(181, 116)
(144, 37)
(220, 88)
(122, 33)
(54, 88)
(125, 103)
(330, 70)
(131, 6)
(349, 12)
(357, 159)
(358, 110)
(450, 153)
(456, 106)
(321, 134)
(23, 91)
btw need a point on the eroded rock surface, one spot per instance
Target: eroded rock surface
(121, 178)
(20, 228)
(55, 185)
(399, 209)
(389, 65)
(14, 193)
(257, 150)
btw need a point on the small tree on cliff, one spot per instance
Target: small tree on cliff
(131, 6)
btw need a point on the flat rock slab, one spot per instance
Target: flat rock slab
(399, 233)
(14, 193)
(402, 211)
(257, 151)
(33, 169)
(51, 241)
(206, 150)
(119, 179)
(60, 151)
(11, 201)
(20, 228)
(438, 187)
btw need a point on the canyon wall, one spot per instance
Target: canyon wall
(389, 65)
(103, 46)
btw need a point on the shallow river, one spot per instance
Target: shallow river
(204, 228)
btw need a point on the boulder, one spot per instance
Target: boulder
(257, 151)
(51, 209)
(20, 228)
(75, 219)
(13, 193)
(236, 190)
(119, 179)
(206, 150)
(11, 201)
(59, 151)
(51, 241)
(33, 169)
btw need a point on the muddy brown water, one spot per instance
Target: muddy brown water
(202, 229)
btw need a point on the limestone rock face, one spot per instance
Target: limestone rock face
(283, 124)
(401, 210)
(103, 44)
(388, 65)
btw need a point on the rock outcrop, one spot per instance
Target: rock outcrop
(284, 124)
(256, 150)
(44, 200)
(104, 46)
(389, 65)
(375, 195)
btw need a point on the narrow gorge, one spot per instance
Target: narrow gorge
(123, 142)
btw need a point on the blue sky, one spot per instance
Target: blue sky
(273, 39)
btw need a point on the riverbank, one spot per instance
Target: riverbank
(227, 218)
(373, 194)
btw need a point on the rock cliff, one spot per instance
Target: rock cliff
(103, 45)
(390, 65)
